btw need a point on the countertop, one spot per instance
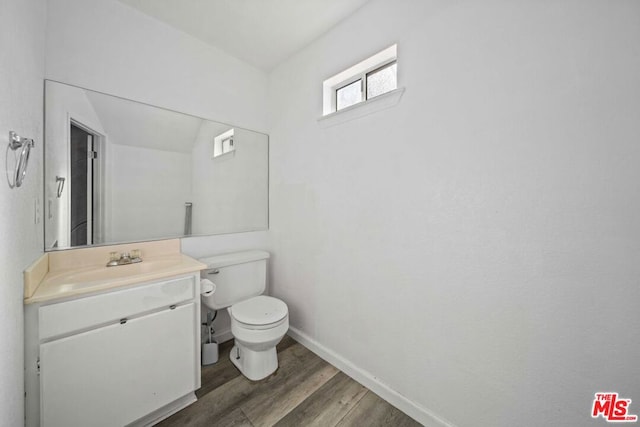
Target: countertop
(43, 283)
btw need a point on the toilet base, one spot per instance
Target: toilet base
(255, 365)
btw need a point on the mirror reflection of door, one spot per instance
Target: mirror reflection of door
(83, 154)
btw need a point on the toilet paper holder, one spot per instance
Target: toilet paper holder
(207, 287)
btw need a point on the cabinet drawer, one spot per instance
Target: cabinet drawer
(83, 313)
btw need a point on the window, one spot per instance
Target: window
(223, 144)
(382, 80)
(349, 95)
(372, 77)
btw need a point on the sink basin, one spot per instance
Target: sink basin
(83, 278)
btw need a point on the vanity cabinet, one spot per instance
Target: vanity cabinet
(118, 358)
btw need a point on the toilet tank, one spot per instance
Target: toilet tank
(237, 276)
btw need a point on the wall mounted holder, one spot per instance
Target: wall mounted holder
(16, 177)
(60, 181)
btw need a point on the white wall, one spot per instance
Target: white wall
(475, 248)
(21, 240)
(107, 46)
(148, 191)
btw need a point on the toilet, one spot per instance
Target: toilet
(258, 322)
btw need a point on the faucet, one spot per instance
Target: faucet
(124, 258)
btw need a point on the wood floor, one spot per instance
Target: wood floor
(304, 391)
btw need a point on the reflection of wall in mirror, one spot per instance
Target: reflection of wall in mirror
(152, 188)
(229, 192)
(148, 168)
(62, 102)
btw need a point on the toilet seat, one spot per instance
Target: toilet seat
(261, 312)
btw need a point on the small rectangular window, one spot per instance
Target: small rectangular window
(227, 144)
(372, 77)
(223, 143)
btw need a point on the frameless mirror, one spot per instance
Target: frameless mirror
(118, 171)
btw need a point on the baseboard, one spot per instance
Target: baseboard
(223, 336)
(165, 412)
(415, 411)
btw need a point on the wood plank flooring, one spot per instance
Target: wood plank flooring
(304, 391)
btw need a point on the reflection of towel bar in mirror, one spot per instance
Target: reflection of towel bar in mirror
(16, 178)
(188, 206)
(60, 180)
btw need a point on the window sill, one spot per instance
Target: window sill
(361, 109)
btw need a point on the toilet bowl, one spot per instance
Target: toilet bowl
(258, 322)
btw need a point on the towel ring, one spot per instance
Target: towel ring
(16, 142)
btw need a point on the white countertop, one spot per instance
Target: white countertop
(43, 283)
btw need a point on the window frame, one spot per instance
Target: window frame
(363, 77)
(344, 85)
(218, 144)
(359, 71)
(365, 89)
(229, 146)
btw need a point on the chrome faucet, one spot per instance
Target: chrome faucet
(124, 258)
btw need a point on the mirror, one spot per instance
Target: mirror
(119, 171)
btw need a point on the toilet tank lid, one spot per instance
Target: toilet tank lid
(223, 260)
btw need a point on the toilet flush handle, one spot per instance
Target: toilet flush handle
(214, 271)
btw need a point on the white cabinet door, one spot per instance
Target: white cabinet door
(114, 375)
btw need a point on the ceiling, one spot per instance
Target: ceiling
(261, 32)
